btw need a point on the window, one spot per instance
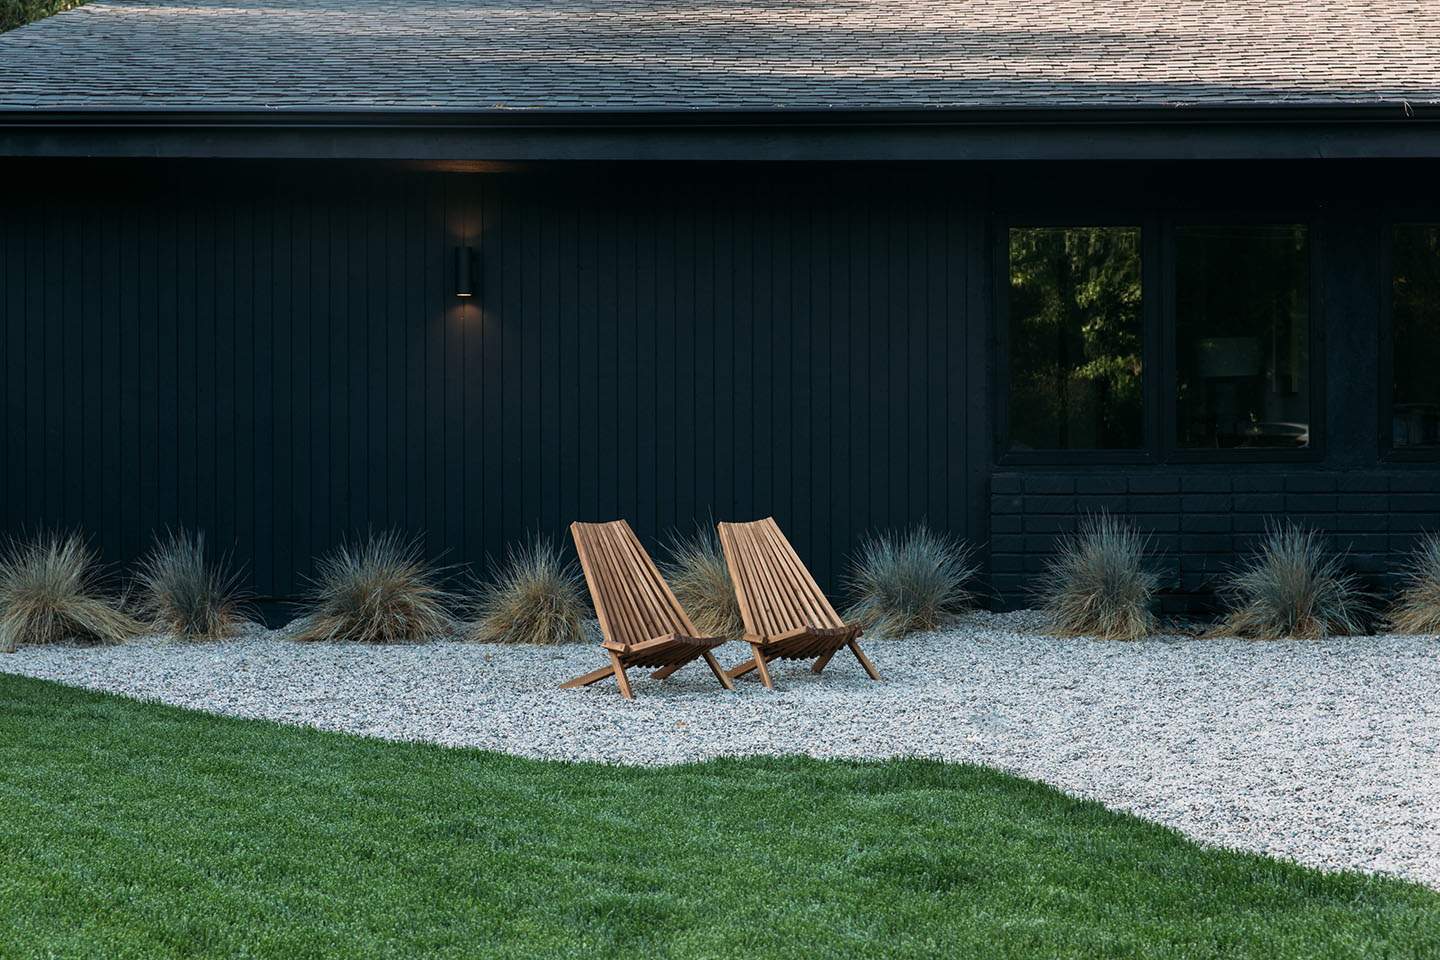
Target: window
(1415, 315)
(1242, 337)
(1075, 338)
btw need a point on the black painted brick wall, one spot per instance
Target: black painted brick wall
(1202, 522)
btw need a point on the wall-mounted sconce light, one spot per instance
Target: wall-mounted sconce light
(464, 263)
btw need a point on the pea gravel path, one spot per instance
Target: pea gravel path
(1327, 753)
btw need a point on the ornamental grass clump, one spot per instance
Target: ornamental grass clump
(51, 592)
(1098, 584)
(187, 593)
(378, 591)
(535, 598)
(1417, 609)
(1293, 587)
(909, 583)
(700, 578)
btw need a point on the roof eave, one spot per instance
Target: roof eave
(1393, 128)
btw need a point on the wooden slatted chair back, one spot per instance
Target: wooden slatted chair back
(631, 599)
(776, 593)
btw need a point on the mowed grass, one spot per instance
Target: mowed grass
(135, 830)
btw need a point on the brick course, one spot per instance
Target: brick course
(1201, 524)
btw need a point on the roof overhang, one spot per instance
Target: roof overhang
(1384, 130)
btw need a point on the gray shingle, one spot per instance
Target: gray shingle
(722, 54)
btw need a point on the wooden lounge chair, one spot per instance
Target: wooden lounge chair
(786, 616)
(643, 623)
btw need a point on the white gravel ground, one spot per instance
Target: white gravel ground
(1327, 753)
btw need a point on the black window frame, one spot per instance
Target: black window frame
(1158, 341)
(1385, 309)
(1149, 346)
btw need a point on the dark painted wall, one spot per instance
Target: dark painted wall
(275, 354)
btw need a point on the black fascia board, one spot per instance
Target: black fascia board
(1383, 130)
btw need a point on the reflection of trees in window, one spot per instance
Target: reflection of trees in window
(1416, 318)
(1242, 329)
(1075, 327)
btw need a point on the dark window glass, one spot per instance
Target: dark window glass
(1416, 317)
(1242, 337)
(1075, 338)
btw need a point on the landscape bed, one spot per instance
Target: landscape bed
(1323, 752)
(140, 830)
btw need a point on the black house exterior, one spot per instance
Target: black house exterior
(274, 274)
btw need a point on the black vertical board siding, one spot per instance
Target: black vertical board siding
(296, 438)
(187, 387)
(585, 322)
(148, 324)
(914, 378)
(568, 310)
(478, 333)
(725, 334)
(358, 389)
(166, 410)
(485, 385)
(341, 490)
(625, 385)
(508, 371)
(413, 350)
(314, 333)
(245, 329)
(935, 353)
(777, 394)
(814, 347)
(969, 295)
(545, 317)
(263, 401)
(85, 349)
(27, 319)
(52, 387)
(706, 391)
(748, 365)
(281, 361)
(685, 383)
(12, 292)
(223, 519)
(205, 361)
(648, 419)
(289, 411)
(663, 381)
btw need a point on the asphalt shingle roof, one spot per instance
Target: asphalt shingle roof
(722, 54)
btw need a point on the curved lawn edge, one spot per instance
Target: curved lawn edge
(135, 829)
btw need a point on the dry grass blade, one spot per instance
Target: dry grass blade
(1417, 609)
(379, 591)
(536, 598)
(909, 583)
(1293, 587)
(697, 573)
(187, 594)
(50, 592)
(1098, 584)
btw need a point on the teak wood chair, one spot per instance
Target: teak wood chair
(786, 615)
(644, 625)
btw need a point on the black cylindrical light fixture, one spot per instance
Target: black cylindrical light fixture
(464, 286)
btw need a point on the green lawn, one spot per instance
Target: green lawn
(132, 830)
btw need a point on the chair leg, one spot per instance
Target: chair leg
(719, 674)
(760, 665)
(740, 669)
(589, 678)
(820, 664)
(620, 675)
(665, 671)
(855, 649)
